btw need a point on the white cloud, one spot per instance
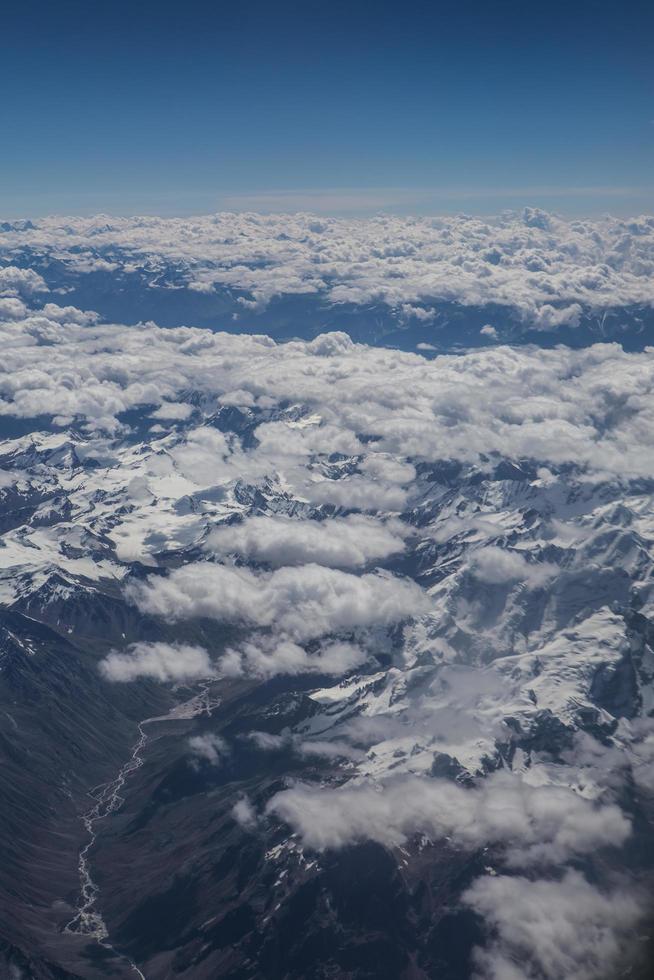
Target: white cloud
(159, 661)
(497, 566)
(590, 408)
(330, 344)
(172, 411)
(202, 456)
(542, 824)
(471, 657)
(12, 308)
(69, 314)
(550, 317)
(23, 282)
(550, 929)
(356, 493)
(543, 268)
(284, 439)
(209, 748)
(409, 311)
(269, 656)
(340, 543)
(244, 814)
(301, 602)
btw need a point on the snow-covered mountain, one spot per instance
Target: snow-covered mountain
(320, 659)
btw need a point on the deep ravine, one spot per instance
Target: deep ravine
(88, 920)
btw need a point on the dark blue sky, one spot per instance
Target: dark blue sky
(407, 106)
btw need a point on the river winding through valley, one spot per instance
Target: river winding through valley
(88, 920)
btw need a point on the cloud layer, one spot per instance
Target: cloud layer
(158, 661)
(545, 269)
(537, 824)
(590, 408)
(302, 602)
(556, 928)
(350, 542)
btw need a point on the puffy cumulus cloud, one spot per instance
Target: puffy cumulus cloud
(550, 929)
(209, 748)
(496, 566)
(23, 282)
(172, 411)
(536, 824)
(542, 267)
(301, 602)
(327, 345)
(204, 439)
(12, 308)
(69, 314)
(417, 313)
(244, 813)
(592, 408)
(356, 493)
(549, 317)
(158, 661)
(202, 456)
(293, 439)
(268, 742)
(269, 656)
(349, 542)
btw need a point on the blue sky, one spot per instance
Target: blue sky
(412, 107)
